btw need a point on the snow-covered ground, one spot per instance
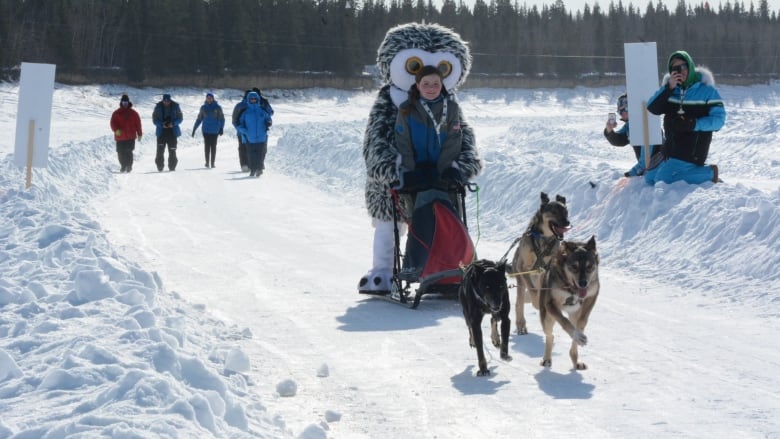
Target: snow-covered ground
(203, 303)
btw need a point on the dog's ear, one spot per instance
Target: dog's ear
(560, 199)
(560, 258)
(569, 246)
(502, 266)
(545, 199)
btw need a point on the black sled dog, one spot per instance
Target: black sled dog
(571, 285)
(483, 290)
(538, 246)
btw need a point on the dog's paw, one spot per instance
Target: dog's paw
(546, 363)
(522, 331)
(580, 338)
(483, 372)
(506, 357)
(580, 366)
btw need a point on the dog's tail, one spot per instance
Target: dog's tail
(503, 259)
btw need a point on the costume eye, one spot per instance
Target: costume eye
(414, 65)
(445, 67)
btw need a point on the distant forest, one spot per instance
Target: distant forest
(143, 41)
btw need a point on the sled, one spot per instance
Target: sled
(438, 246)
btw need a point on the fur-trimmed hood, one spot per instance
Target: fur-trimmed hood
(695, 73)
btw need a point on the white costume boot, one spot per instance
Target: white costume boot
(379, 277)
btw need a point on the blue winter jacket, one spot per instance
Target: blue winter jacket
(699, 101)
(160, 114)
(212, 118)
(253, 126)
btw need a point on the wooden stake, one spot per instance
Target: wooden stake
(646, 134)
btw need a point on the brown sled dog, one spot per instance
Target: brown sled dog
(538, 245)
(571, 285)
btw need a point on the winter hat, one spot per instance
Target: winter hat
(693, 75)
(125, 98)
(166, 97)
(210, 94)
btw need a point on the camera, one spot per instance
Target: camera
(677, 69)
(612, 119)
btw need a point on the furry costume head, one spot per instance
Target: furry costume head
(409, 47)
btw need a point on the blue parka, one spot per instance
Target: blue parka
(698, 100)
(212, 117)
(160, 113)
(254, 122)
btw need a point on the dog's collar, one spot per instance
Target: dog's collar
(541, 249)
(533, 232)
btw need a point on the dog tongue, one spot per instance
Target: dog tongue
(562, 230)
(582, 292)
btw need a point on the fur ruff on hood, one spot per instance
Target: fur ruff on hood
(707, 77)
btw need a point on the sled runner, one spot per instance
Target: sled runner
(437, 246)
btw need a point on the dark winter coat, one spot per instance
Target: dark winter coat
(212, 118)
(701, 104)
(160, 114)
(381, 155)
(416, 139)
(127, 121)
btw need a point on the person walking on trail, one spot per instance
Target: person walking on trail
(253, 126)
(620, 137)
(126, 125)
(167, 117)
(236, 119)
(692, 110)
(213, 121)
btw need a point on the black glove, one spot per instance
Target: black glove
(220, 131)
(268, 124)
(453, 176)
(420, 179)
(682, 125)
(411, 180)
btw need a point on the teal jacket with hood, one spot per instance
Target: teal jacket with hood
(695, 99)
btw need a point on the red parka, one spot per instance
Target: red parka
(127, 122)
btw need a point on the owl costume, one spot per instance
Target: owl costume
(404, 50)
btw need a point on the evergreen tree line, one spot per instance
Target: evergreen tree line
(140, 39)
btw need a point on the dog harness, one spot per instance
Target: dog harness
(541, 250)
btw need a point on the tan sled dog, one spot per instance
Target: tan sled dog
(538, 245)
(571, 285)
